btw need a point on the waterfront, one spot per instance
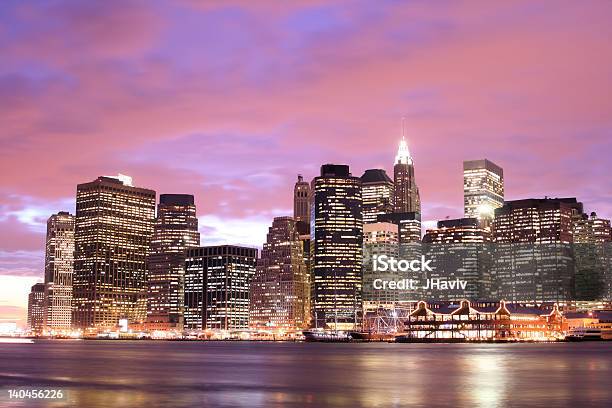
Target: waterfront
(267, 374)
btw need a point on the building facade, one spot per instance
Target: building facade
(36, 308)
(217, 287)
(377, 193)
(483, 188)
(301, 200)
(593, 256)
(59, 267)
(113, 229)
(176, 230)
(459, 249)
(406, 193)
(280, 289)
(533, 260)
(337, 238)
(380, 239)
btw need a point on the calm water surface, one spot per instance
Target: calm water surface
(252, 374)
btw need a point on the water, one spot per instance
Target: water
(253, 374)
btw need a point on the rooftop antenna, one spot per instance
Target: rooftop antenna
(403, 128)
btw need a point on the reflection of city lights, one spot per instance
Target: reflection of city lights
(485, 211)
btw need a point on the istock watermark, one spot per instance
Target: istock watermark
(414, 284)
(384, 263)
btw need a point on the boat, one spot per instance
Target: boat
(371, 336)
(406, 338)
(583, 334)
(328, 336)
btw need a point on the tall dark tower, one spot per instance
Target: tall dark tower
(337, 248)
(113, 229)
(176, 230)
(406, 195)
(301, 200)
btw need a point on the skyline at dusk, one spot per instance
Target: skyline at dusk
(229, 103)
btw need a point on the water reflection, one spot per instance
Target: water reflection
(217, 374)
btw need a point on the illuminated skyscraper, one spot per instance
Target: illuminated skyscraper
(593, 255)
(533, 258)
(591, 229)
(301, 200)
(176, 230)
(483, 189)
(337, 247)
(280, 289)
(217, 287)
(59, 267)
(36, 308)
(459, 249)
(379, 239)
(377, 192)
(406, 192)
(114, 225)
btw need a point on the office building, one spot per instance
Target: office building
(280, 290)
(59, 267)
(380, 239)
(483, 189)
(217, 287)
(337, 238)
(301, 200)
(36, 308)
(377, 193)
(593, 257)
(533, 260)
(176, 230)
(406, 193)
(459, 249)
(113, 229)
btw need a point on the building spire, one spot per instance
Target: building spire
(403, 154)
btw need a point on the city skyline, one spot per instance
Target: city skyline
(227, 161)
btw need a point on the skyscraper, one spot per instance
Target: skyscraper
(533, 258)
(217, 287)
(113, 229)
(483, 188)
(379, 239)
(36, 308)
(301, 200)
(459, 249)
(176, 230)
(593, 256)
(59, 267)
(337, 247)
(406, 193)
(377, 192)
(280, 288)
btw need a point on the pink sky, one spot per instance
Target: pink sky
(230, 102)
